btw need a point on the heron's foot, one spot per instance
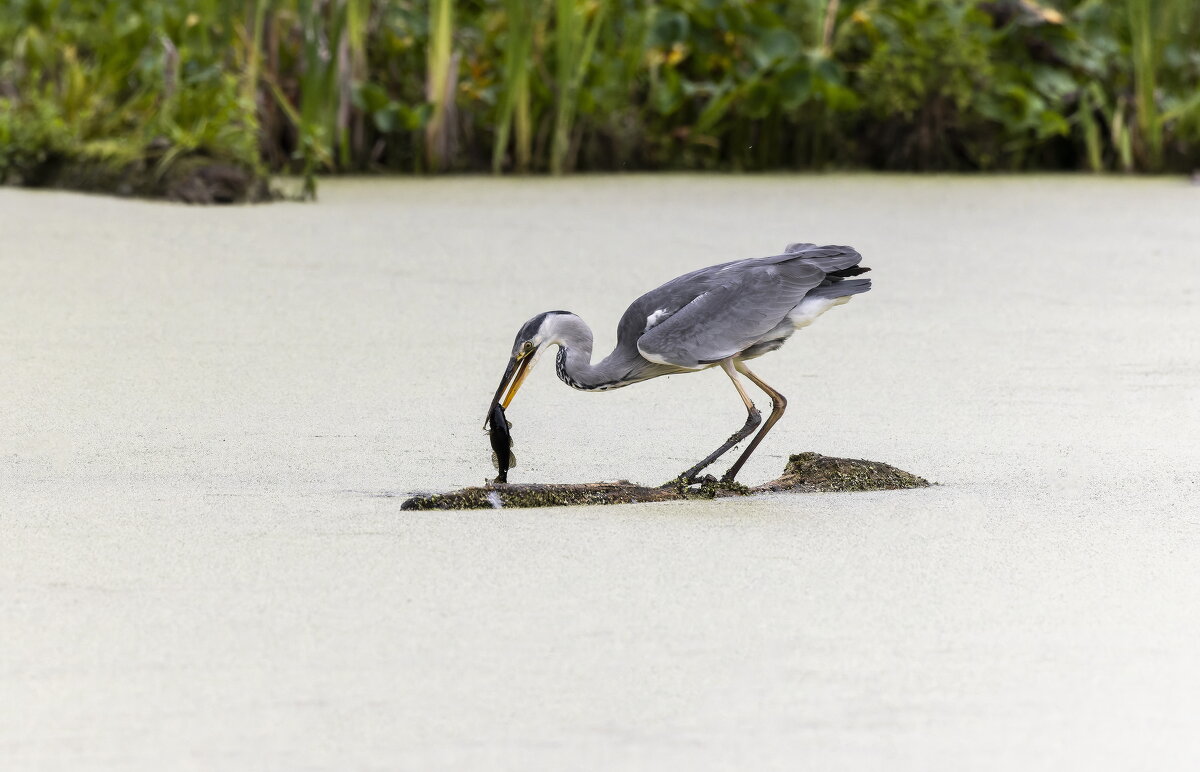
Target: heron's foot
(712, 488)
(679, 483)
(706, 487)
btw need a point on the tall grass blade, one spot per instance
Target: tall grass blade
(575, 42)
(1091, 130)
(441, 85)
(1142, 50)
(358, 19)
(514, 100)
(254, 47)
(1153, 25)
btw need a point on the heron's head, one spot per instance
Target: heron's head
(533, 337)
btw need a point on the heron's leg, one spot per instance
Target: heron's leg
(778, 405)
(753, 419)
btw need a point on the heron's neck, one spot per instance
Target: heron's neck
(575, 366)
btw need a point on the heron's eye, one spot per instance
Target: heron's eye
(527, 348)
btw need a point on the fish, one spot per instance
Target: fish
(502, 455)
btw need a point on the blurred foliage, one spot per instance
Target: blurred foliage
(117, 81)
(555, 85)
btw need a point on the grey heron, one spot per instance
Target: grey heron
(720, 316)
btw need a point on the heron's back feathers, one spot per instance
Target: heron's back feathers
(724, 310)
(829, 258)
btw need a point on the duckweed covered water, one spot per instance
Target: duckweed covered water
(211, 418)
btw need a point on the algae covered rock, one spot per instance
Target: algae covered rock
(805, 472)
(497, 496)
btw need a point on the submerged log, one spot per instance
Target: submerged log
(805, 472)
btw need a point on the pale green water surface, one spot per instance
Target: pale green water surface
(210, 418)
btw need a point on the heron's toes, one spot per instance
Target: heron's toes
(679, 483)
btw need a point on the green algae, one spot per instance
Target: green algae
(805, 472)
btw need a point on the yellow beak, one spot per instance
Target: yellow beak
(514, 375)
(523, 371)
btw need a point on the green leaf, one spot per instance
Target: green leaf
(759, 101)
(1053, 83)
(773, 46)
(1052, 124)
(670, 27)
(668, 94)
(795, 88)
(385, 119)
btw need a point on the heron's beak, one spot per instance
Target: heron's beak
(514, 375)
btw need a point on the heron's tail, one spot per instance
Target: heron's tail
(852, 271)
(839, 288)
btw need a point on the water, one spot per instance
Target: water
(212, 416)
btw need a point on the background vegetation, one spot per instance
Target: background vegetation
(560, 85)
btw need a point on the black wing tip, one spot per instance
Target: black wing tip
(853, 270)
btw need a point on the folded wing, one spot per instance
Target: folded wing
(742, 303)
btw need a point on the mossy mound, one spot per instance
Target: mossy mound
(805, 472)
(815, 473)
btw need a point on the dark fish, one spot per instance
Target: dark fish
(502, 455)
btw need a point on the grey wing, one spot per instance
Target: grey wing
(828, 258)
(731, 316)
